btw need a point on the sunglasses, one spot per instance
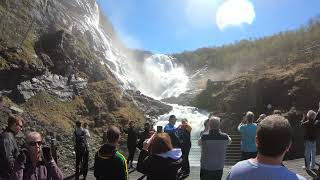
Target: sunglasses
(35, 143)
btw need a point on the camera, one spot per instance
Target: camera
(159, 129)
(46, 152)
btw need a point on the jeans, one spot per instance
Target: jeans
(210, 175)
(310, 154)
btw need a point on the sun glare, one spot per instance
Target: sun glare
(234, 13)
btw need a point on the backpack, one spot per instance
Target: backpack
(81, 140)
(183, 136)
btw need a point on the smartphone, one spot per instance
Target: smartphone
(159, 129)
(46, 152)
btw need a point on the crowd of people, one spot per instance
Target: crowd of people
(164, 153)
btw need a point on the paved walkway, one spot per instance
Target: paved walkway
(294, 165)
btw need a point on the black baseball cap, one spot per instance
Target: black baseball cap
(172, 117)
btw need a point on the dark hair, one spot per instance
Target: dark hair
(172, 117)
(274, 135)
(131, 122)
(12, 120)
(78, 123)
(160, 143)
(113, 134)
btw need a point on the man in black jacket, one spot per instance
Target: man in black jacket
(9, 149)
(131, 142)
(144, 135)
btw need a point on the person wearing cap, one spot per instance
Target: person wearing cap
(171, 130)
(248, 131)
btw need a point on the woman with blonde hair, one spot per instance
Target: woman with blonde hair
(158, 160)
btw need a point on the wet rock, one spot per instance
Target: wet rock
(53, 84)
(151, 107)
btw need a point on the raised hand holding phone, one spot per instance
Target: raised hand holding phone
(46, 151)
(147, 142)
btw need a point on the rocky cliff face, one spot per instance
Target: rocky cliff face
(293, 85)
(293, 89)
(59, 63)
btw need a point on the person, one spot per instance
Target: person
(274, 136)
(70, 71)
(30, 166)
(206, 127)
(131, 142)
(213, 151)
(158, 159)
(261, 117)
(205, 131)
(82, 150)
(310, 139)
(145, 134)
(171, 130)
(109, 163)
(184, 134)
(9, 149)
(247, 131)
(53, 145)
(88, 136)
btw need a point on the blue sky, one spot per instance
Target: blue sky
(172, 26)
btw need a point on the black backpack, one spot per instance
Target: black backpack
(81, 141)
(183, 136)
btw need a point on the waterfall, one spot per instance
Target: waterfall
(159, 77)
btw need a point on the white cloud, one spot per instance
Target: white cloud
(234, 13)
(201, 13)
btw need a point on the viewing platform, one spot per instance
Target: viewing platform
(233, 156)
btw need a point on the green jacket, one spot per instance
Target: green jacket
(110, 164)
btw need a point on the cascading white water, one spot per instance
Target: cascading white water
(113, 59)
(159, 78)
(194, 116)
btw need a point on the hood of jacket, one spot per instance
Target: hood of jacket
(174, 154)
